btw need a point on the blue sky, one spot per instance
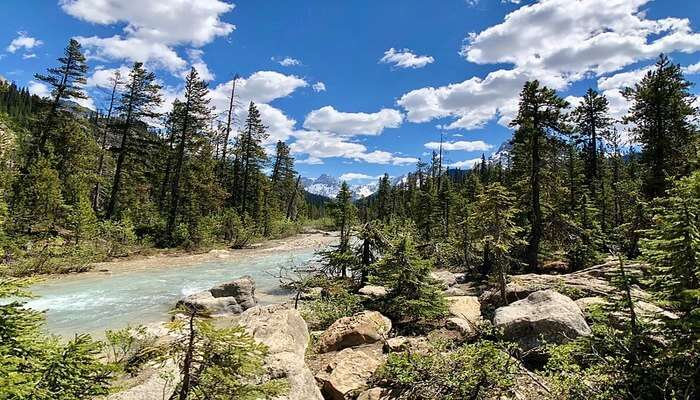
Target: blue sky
(363, 87)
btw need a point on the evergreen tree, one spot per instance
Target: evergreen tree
(662, 106)
(139, 100)
(384, 199)
(592, 126)
(413, 294)
(539, 119)
(251, 157)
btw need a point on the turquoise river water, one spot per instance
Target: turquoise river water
(91, 303)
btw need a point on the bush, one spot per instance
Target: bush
(321, 313)
(118, 235)
(129, 348)
(474, 371)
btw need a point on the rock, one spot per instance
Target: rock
(372, 394)
(465, 307)
(652, 312)
(586, 303)
(242, 289)
(447, 278)
(220, 253)
(454, 291)
(347, 374)
(227, 298)
(404, 343)
(464, 327)
(286, 335)
(363, 328)
(543, 314)
(373, 291)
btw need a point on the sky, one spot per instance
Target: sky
(359, 88)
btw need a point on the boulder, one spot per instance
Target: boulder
(465, 307)
(464, 327)
(373, 291)
(155, 383)
(348, 373)
(286, 335)
(363, 328)
(404, 343)
(454, 291)
(447, 278)
(544, 314)
(227, 298)
(372, 394)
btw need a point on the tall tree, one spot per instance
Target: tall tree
(662, 108)
(592, 126)
(540, 117)
(196, 114)
(140, 98)
(117, 82)
(66, 82)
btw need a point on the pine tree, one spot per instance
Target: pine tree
(384, 200)
(592, 126)
(195, 116)
(539, 119)
(662, 106)
(139, 100)
(66, 83)
(251, 157)
(413, 294)
(494, 223)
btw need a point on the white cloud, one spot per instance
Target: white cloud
(466, 164)
(405, 59)
(555, 41)
(288, 62)
(38, 88)
(23, 41)
(27, 56)
(692, 69)
(477, 145)
(354, 176)
(133, 49)
(319, 87)
(623, 79)
(195, 57)
(163, 21)
(320, 145)
(102, 77)
(342, 123)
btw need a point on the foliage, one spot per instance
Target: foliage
(129, 348)
(337, 303)
(480, 370)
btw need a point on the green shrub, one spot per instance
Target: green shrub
(475, 371)
(322, 312)
(129, 348)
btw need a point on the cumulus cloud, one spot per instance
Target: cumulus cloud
(343, 123)
(319, 87)
(152, 29)
(38, 88)
(319, 145)
(196, 61)
(405, 59)
(477, 145)
(692, 69)
(23, 41)
(557, 42)
(102, 77)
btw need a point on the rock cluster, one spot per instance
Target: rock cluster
(364, 328)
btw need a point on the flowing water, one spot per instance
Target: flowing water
(91, 303)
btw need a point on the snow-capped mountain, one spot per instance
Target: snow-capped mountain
(329, 186)
(502, 155)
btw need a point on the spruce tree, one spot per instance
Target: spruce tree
(384, 200)
(592, 126)
(250, 158)
(140, 98)
(662, 108)
(540, 118)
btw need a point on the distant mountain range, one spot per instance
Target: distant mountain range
(329, 186)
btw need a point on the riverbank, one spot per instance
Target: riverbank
(314, 240)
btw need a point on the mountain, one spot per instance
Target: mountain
(329, 186)
(502, 155)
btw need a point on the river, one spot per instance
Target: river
(93, 302)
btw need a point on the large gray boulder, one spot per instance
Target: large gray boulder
(232, 297)
(363, 328)
(544, 314)
(286, 335)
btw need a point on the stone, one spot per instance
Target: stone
(373, 291)
(348, 374)
(232, 297)
(587, 303)
(286, 335)
(155, 383)
(404, 343)
(447, 278)
(372, 394)
(465, 307)
(464, 327)
(454, 291)
(544, 314)
(363, 328)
